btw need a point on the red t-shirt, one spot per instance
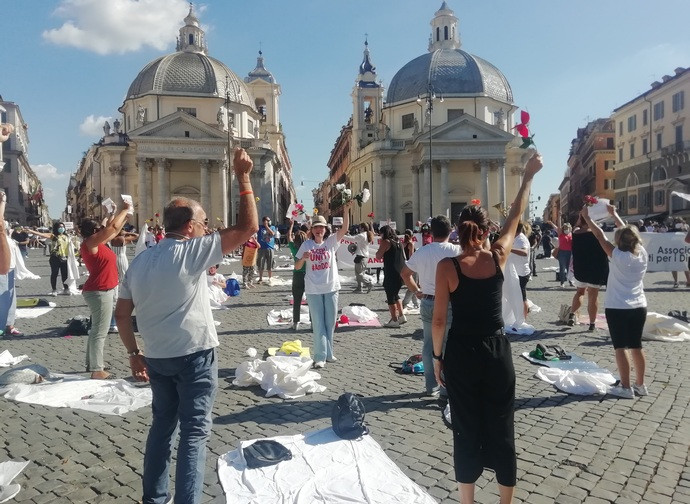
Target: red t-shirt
(565, 241)
(102, 268)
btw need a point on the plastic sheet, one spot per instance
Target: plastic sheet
(286, 377)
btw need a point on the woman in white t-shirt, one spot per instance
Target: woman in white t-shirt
(626, 304)
(321, 284)
(362, 240)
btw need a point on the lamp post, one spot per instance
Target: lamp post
(229, 123)
(429, 99)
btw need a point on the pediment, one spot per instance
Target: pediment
(178, 125)
(467, 128)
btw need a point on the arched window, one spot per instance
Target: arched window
(659, 174)
(365, 185)
(438, 34)
(191, 39)
(632, 181)
(445, 32)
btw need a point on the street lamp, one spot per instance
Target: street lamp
(429, 99)
(229, 123)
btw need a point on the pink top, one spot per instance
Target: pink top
(565, 241)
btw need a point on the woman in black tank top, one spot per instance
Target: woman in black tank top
(477, 364)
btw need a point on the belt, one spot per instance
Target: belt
(428, 296)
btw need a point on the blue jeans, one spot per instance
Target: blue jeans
(184, 389)
(426, 311)
(323, 309)
(563, 264)
(8, 300)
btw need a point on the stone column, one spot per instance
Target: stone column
(142, 191)
(116, 180)
(205, 186)
(223, 175)
(426, 191)
(484, 181)
(502, 182)
(162, 164)
(445, 195)
(415, 194)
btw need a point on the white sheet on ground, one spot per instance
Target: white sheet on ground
(359, 313)
(8, 471)
(107, 397)
(284, 317)
(284, 376)
(575, 381)
(34, 312)
(6, 358)
(665, 328)
(324, 469)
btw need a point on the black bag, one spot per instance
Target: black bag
(265, 452)
(78, 326)
(399, 257)
(347, 417)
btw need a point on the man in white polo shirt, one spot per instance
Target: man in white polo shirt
(167, 285)
(424, 262)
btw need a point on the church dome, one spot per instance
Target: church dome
(189, 74)
(448, 69)
(189, 71)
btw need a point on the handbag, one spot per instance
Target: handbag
(554, 253)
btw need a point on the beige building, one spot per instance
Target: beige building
(441, 137)
(25, 203)
(182, 115)
(652, 141)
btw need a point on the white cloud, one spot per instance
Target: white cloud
(92, 126)
(47, 172)
(118, 26)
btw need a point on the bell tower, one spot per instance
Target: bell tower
(444, 30)
(192, 38)
(367, 101)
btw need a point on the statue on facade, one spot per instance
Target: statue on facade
(220, 119)
(116, 125)
(387, 135)
(256, 131)
(141, 115)
(367, 115)
(106, 128)
(499, 120)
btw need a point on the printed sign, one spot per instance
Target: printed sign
(666, 251)
(337, 221)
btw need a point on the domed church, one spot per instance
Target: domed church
(439, 139)
(183, 113)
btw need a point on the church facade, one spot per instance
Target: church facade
(183, 116)
(441, 136)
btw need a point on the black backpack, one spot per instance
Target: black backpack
(347, 417)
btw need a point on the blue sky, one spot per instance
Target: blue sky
(69, 63)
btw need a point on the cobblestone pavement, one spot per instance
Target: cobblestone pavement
(570, 449)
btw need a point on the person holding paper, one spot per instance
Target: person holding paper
(119, 247)
(59, 250)
(626, 303)
(99, 289)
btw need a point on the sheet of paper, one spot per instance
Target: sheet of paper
(109, 205)
(128, 199)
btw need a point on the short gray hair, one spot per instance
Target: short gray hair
(179, 212)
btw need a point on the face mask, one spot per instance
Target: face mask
(61, 230)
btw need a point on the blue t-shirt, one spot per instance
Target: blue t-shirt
(265, 240)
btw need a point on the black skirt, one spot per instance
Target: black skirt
(480, 379)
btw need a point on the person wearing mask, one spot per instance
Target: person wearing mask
(477, 364)
(389, 248)
(423, 263)
(322, 283)
(267, 244)
(99, 288)
(294, 243)
(363, 239)
(626, 303)
(58, 246)
(591, 270)
(565, 251)
(167, 286)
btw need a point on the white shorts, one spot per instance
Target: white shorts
(582, 285)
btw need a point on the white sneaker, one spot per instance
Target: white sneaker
(402, 319)
(332, 359)
(320, 364)
(640, 390)
(392, 323)
(54, 293)
(620, 391)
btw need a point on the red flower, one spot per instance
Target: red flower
(591, 200)
(299, 206)
(295, 213)
(476, 202)
(157, 214)
(370, 215)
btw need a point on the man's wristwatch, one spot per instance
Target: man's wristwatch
(436, 357)
(134, 352)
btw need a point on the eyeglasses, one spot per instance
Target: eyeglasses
(203, 224)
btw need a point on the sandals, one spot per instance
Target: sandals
(13, 331)
(560, 353)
